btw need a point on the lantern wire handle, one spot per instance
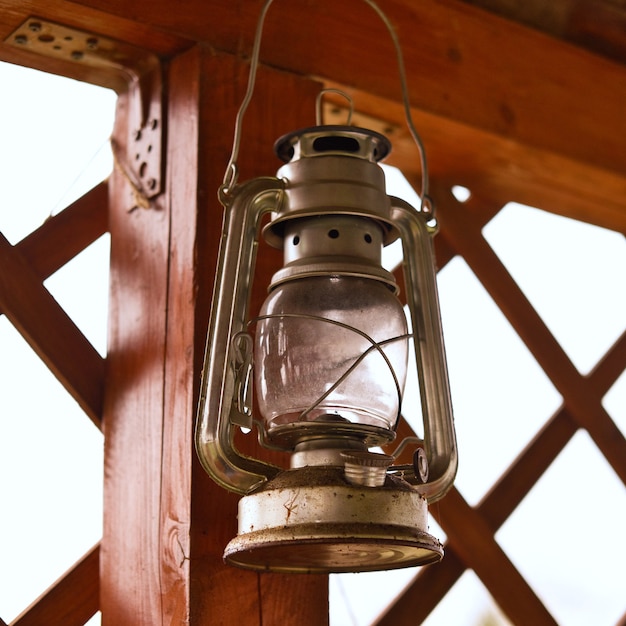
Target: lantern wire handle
(319, 112)
(230, 176)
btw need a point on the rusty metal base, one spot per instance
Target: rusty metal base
(310, 520)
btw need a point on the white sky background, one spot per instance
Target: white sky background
(567, 537)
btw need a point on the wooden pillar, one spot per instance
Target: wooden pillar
(166, 522)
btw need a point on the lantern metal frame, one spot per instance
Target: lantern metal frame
(339, 507)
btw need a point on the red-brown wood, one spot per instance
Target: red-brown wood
(71, 600)
(69, 232)
(166, 522)
(541, 127)
(133, 416)
(222, 594)
(466, 66)
(418, 600)
(50, 332)
(581, 398)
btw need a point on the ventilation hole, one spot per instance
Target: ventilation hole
(368, 238)
(333, 143)
(296, 240)
(333, 234)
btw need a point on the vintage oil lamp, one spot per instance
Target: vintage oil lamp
(327, 357)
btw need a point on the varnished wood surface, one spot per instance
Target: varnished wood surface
(133, 417)
(500, 106)
(508, 112)
(221, 594)
(166, 565)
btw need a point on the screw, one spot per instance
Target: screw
(420, 464)
(152, 183)
(92, 43)
(21, 39)
(35, 26)
(77, 55)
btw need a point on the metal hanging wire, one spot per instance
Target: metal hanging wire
(231, 173)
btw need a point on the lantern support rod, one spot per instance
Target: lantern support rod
(230, 176)
(217, 411)
(420, 285)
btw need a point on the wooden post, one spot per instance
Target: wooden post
(166, 522)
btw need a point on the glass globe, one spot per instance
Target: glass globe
(331, 348)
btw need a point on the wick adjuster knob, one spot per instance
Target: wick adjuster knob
(368, 469)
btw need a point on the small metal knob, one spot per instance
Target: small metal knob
(420, 465)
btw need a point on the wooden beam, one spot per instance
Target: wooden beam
(71, 600)
(221, 594)
(50, 332)
(541, 128)
(166, 522)
(132, 544)
(465, 64)
(504, 170)
(464, 67)
(60, 238)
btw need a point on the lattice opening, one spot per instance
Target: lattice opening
(51, 154)
(51, 461)
(615, 402)
(468, 598)
(501, 397)
(52, 151)
(570, 272)
(78, 288)
(567, 539)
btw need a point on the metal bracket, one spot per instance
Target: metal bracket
(119, 66)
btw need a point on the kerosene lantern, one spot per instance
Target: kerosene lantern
(327, 357)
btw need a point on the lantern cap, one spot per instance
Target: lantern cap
(332, 139)
(331, 170)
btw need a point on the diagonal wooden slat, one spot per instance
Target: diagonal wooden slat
(610, 368)
(432, 583)
(472, 540)
(63, 236)
(50, 331)
(583, 401)
(71, 600)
